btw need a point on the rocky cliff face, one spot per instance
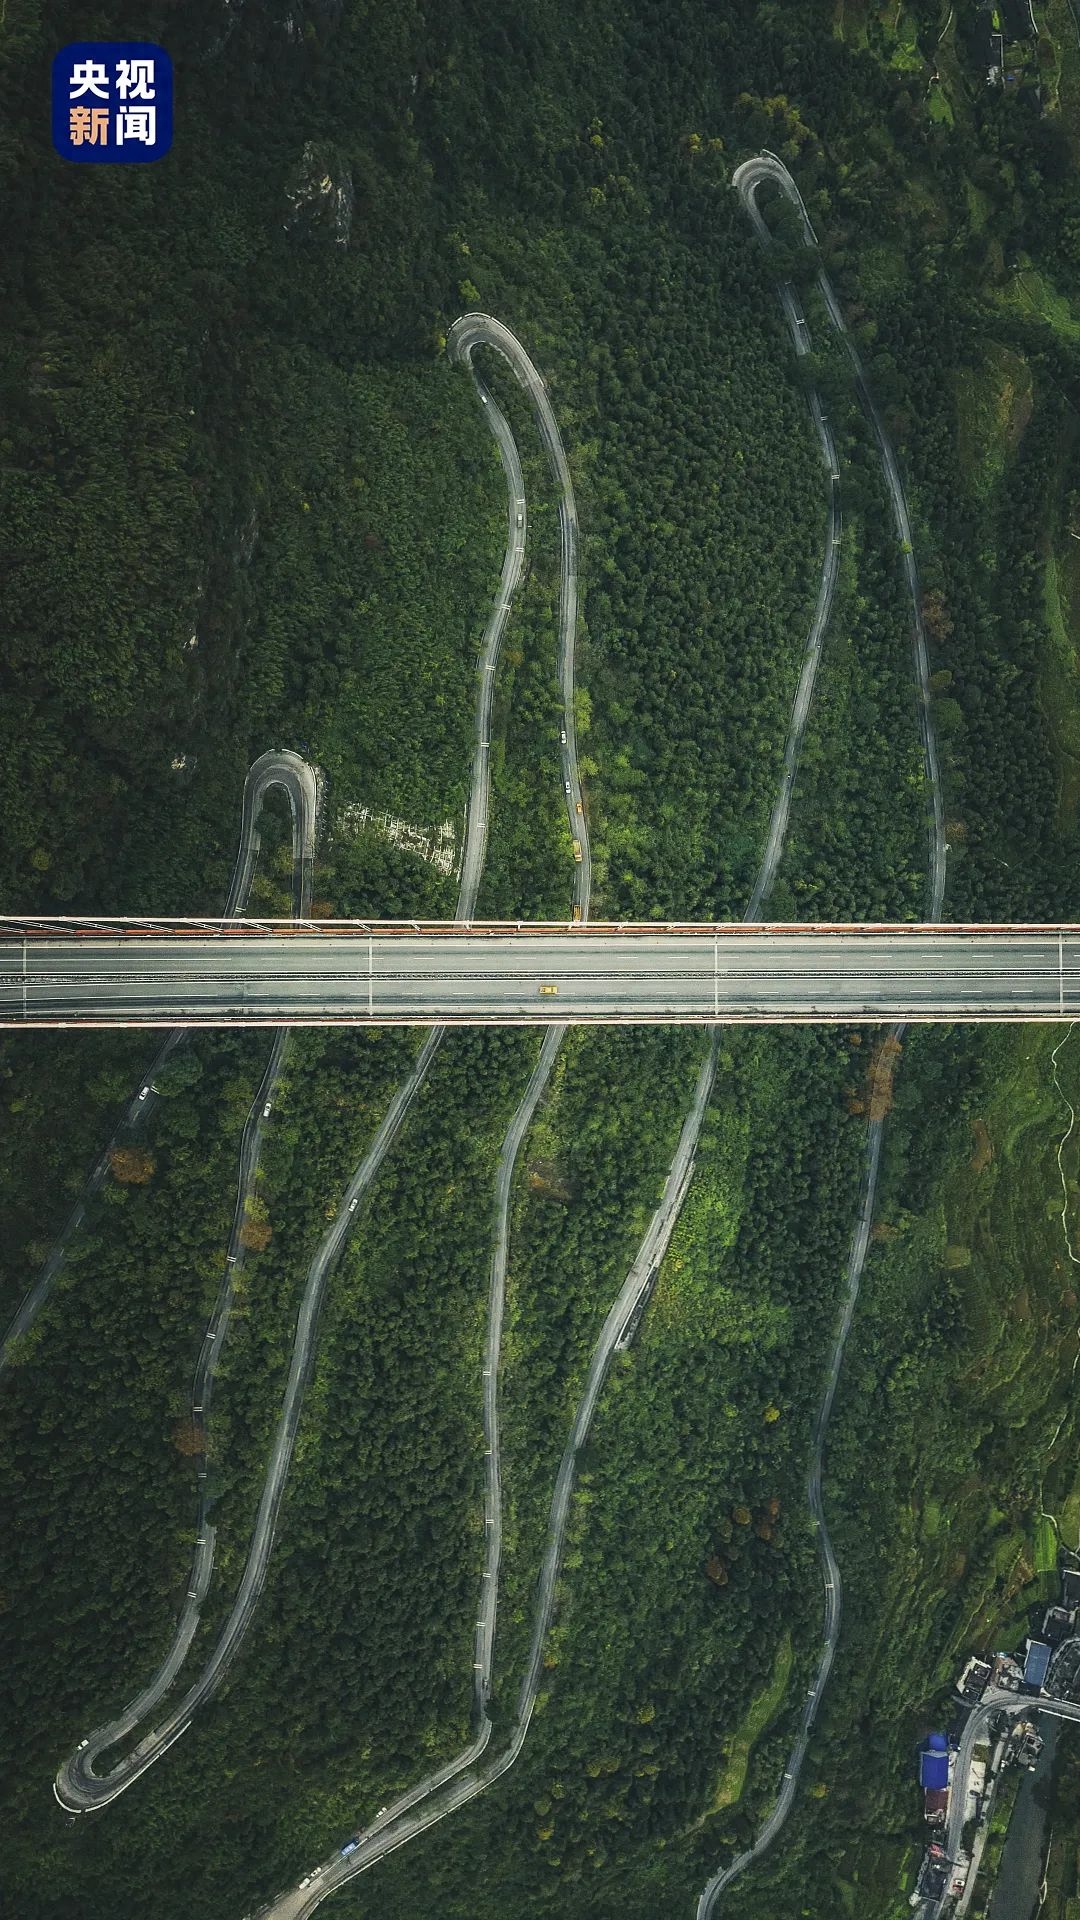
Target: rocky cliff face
(319, 194)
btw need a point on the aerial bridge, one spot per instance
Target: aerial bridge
(304, 973)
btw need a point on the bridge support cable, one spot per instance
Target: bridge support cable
(747, 180)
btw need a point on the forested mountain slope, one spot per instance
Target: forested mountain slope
(245, 501)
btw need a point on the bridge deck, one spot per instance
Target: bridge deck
(203, 973)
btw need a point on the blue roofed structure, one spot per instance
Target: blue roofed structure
(1036, 1662)
(934, 1763)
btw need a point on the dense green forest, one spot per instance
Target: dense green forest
(244, 501)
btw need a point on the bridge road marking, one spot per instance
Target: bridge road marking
(370, 973)
(24, 978)
(1061, 973)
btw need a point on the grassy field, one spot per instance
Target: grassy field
(994, 401)
(758, 1717)
(1032, 294)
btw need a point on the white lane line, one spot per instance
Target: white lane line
(716, 975)
(370, 974)
(1061, 974)
(24, 979)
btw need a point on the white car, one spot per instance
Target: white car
(562, 736)
(144, 1093)
(566, 784)
(353, 1204)
(266, 1110)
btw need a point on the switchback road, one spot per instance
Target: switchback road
(78, 1787)
(439, 1793)
(747, 180)
(475, 330)
(275, 769)
(407, 1818)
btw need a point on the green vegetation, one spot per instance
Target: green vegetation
(758, 1717)
(327, 522)
(961, 1375)
(993, 406)
(1062, 1878)
(1033, 293)
(1004, 1803)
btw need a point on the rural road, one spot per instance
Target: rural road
(401, 1820)
(407, 1818)
(747, 181)
(589, 985)
(475, 330)
(78, 1787)
(280, 769)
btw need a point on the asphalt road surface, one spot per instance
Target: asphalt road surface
(998, 1700)
(457, 1780)
(79, 1787)
(407, 1818)
(498, 976)
(281, 769)
(747, 181)
(425, 1805)
(475, 330)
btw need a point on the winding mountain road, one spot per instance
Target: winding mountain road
(455, 1784)
(747, 180)
(78, 1787)
(400, 1821)
(275, 769)
(425, 1806)
(475, 330)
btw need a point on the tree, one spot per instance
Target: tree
(132, 1166)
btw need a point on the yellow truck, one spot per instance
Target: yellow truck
(577, 849)
(549, 987)
(577, 914)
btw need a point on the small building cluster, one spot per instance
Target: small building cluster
(1048, 1668)
(933, 1880)
(1026, 1744)
(1002, 40)
(935, 1774)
